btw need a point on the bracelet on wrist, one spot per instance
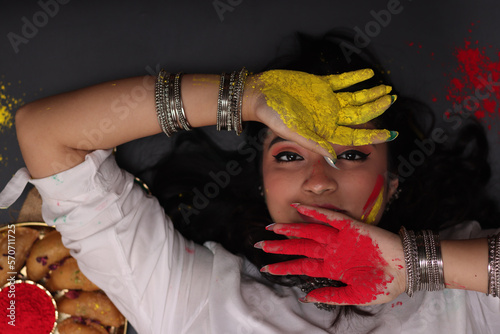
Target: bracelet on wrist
(168, 101)
(494, 265)
(423, 260)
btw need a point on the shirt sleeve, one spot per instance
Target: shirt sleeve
(125, 244)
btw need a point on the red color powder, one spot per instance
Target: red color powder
(342, 254)
(33, 313)
(474, 88)
(373, 196)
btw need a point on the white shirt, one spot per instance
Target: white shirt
(163, 283)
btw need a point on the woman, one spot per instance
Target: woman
(164, 283)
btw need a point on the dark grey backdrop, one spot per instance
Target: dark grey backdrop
(78, 43)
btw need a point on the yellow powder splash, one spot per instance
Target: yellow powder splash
(8, 105)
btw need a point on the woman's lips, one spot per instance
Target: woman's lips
(329, 207)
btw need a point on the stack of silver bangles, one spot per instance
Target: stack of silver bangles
(424, 264)
(229, 104)
(169, 107)
(170, 110)
(494, 265)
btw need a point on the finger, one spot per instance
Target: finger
(361, 114)
(358, 137)
(309, 267)
(363, 96)
(344, 80)
(310, 140)
(346, 295)
(304, 247)
(335, 219)
(321, 233)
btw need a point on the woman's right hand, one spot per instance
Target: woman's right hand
(306, 109)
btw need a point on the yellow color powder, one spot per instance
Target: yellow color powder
(8, 105)
(308, 105)
(375, 209)
(5, 117)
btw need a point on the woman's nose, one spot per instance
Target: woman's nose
(320, 179)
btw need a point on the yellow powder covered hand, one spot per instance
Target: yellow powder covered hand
(308, 105)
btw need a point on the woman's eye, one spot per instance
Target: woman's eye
(353, 155)
(287, 157)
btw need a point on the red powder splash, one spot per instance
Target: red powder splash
(338, 252)
(474, 88)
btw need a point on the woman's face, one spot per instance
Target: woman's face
(360, 187)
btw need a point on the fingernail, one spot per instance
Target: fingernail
(393, 98)
(264, 269)
(270, 227)
(258, 245)
(304, 300)
(393, 136)
(388, 89)
(330, 161)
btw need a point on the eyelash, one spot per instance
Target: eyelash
(351, 155)
(362, 156)
(288, 154)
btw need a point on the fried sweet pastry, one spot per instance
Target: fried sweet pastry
(75, 325)
(92, 305)
(15, 244)
(69, 276)
(44, 253)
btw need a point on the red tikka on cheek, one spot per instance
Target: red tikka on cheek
(350, 257)
(374, 202)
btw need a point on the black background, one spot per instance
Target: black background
(79, 43)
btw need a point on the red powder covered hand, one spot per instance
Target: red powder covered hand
(368, 259)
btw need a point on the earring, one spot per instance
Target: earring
(261, 191)
(394, 197)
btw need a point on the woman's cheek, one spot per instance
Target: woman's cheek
(375, 202)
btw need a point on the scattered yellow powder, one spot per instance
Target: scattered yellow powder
(8, 105)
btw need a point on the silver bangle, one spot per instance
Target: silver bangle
(179, 106)
(494, 266)
(410, 256)
(223, 105)
(238, 100)
(491, 265)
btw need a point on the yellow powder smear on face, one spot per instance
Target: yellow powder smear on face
(376, 208)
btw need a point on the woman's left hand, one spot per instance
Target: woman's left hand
(368, 259)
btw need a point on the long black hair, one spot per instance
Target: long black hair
(212, 199)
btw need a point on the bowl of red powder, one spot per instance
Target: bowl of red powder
(27, 307)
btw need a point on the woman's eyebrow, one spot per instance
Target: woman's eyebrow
(277, 139)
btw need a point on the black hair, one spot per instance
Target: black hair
(235, 215)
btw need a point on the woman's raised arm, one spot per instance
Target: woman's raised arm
(55, 133)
